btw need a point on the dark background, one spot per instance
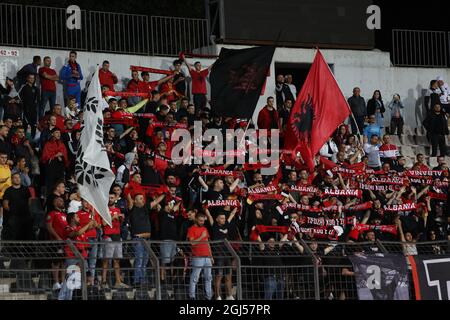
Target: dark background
(395, 14)
(326, 23)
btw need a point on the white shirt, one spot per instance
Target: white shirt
(373, 154)
(293, 90)
(445, 94)
(325, 148)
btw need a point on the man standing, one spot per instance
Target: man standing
(198, 83)
(221, 230)
(47, 77)
(29, 95)
(445, 94)
(372, 151)
(140, 225)
(113, 245)
(201, 256)
(106, 77)
(56, 223)
(17, 220)
(179, 81)
(372, 128)
(388, 151)
(437, 126)
(31, 68)
(72, 75)
(292, 89)
(268, 116)
(359, 110)
(86, 215)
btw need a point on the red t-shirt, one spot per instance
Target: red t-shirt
(200, 249)
(46, 84)
(59, 222)
(147, 87)
(199, 81)
(85, 217)
(115, 229)
(80, 242)
(133, 86)
(107, 79)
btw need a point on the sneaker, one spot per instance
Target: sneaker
(121, 286)
(56, 286)
(105, 285)
(219, 298)
(230, 298)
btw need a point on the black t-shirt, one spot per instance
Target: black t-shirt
(18, 201)
(140, 220)
(212, 195)
(150, 176)
(220, 232)
(167, 226)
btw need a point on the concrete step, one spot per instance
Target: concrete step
(407, 151)
(422, 141)
(22, 296)
(408, 139)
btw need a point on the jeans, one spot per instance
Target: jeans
(92, 257)
(274, 285)
(140, 261)
(46, 96)
(198, 264)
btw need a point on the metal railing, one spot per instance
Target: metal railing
(162, 270)
(45, 27)
(416, 48)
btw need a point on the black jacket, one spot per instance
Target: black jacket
(30, 96)
(372, 107)
(436, 123)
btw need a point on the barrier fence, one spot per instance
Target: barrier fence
(45, 27)
(162, 270)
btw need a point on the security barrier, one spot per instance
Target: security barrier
(167, 270)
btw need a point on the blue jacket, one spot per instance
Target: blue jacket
(66, 75)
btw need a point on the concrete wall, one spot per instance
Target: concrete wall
(369, 70)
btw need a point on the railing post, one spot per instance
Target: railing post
(82, 268)
(157, 268)
(382, 247)
(315, 269)
(238, 272)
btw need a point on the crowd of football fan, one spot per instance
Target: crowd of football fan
(359, 190)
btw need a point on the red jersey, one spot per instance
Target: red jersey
(85, 217)
(200, 249)
(46, 84)
(115, 229)
(107, 79)
(133, 85)
(59, 222)
(199, 81)
(147, 87)
(80, 241)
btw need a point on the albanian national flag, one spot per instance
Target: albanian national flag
(319, 109)
(237, 79)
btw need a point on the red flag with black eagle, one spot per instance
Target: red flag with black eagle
(319, 109)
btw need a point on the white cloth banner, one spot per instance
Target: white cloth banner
(93, 171)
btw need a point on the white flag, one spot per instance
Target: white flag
(92, 169)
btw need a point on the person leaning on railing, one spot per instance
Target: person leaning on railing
(139, 215)
(201, 258)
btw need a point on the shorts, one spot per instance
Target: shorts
(223, 266)
(168, 250)
(112, 249)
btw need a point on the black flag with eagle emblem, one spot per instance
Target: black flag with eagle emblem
(237, 79)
